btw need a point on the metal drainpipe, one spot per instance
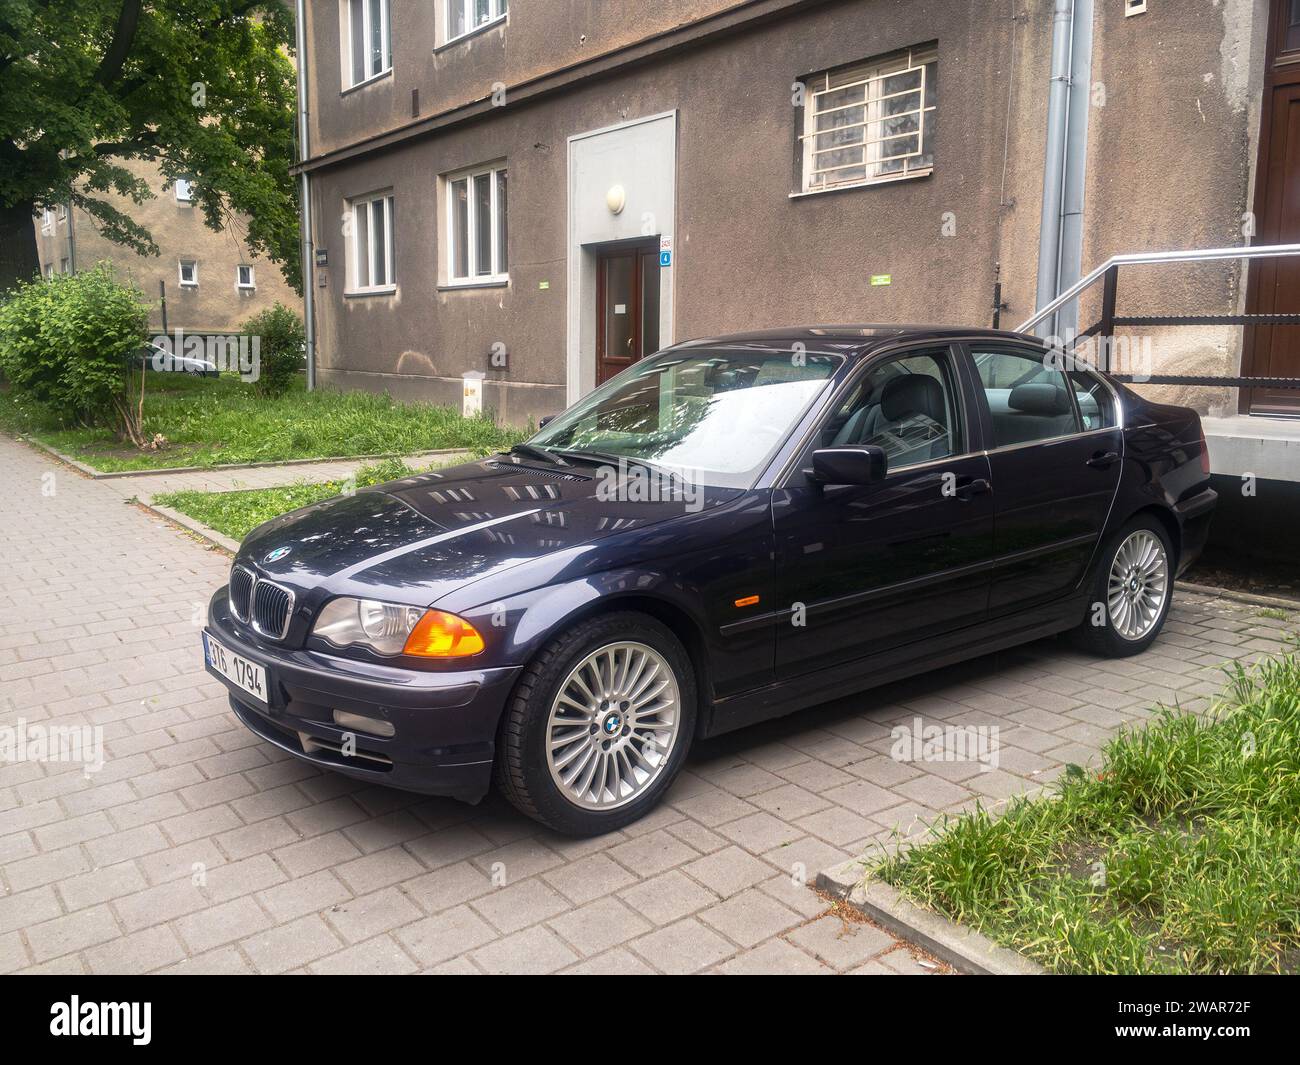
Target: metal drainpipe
(304, 196)
(1058, 105)
(1070, 258)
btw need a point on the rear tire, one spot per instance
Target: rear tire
(1132, 588)
(598, 725)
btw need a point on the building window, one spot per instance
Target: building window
(368, 40)
(871, 121)
(61, 212)
(372, 244)
(476, 226)
(244, 277)
(47, 220)
(184, 190)
(65, 266)
(189, 273)
(466, 16)
(49, 270)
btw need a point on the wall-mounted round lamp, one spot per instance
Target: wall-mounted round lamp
(616, 199)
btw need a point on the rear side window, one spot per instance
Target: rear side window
(1028, 399)
(1096, 404)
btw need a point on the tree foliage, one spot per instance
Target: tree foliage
(203, 88)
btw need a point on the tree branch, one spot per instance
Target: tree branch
(120, 47)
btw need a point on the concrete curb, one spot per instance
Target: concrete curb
(1241, 597)
(217, 539)
(964, 949)
(100, 475)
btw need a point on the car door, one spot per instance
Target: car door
(1055, 450)
(865, 568)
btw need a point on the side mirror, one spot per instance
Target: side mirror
(544, 422)
(850, 464)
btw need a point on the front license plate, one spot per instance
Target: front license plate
(247, 676)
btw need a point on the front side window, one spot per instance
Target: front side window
(189, 273)
(372, 244)
(368, 40)
(476, 226)
(870, 122)
(1028, 398)
(713, 416)
(465, 16)
(903, 406)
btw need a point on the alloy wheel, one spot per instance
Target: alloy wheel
(613, 725)
(1138, 585)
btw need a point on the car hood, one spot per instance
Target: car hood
(416, 539)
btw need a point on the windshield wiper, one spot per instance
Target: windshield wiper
(605, 458)
(533, 451)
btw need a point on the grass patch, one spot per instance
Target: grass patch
(237, 513)
(1181, 856)
(1272, 613)
(209, 422)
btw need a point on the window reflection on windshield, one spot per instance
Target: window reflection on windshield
(718, 413)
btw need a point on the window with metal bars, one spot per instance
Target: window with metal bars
(870, 122)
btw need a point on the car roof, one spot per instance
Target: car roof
(850, 339)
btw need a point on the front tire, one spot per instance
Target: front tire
(1132, 589)
(598, 725)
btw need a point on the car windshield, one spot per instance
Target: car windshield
(716, 416)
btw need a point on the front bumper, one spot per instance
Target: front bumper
(1194, 516)
(444, 724)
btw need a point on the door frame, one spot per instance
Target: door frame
(1281, 70)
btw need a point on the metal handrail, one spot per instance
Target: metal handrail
(1263, 251)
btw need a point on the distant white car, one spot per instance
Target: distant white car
(153, 357)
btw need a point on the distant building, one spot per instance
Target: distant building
(212, 283)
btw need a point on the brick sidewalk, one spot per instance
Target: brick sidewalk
(199, 848)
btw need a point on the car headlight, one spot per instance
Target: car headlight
(393, 629)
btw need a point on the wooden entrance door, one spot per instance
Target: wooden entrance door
(627, 308)
(1274, 284)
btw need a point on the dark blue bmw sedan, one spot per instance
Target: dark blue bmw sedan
(729, 530)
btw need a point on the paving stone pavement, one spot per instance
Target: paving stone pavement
(199, 848)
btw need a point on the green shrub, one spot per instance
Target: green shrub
(69, 343)
(281, 340)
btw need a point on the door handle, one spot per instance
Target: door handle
(968, 491)
(1103, 459)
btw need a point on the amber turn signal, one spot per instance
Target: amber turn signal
(441, 635)
(749, 600)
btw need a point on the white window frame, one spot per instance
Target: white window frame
(499, 272)
(61, 212)
(180, 273)
(65, 265)
(362, 280)
(386, 39)
(873, 75)
(497, 11)
(186, 186)
(47, 220)
(252, 281)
